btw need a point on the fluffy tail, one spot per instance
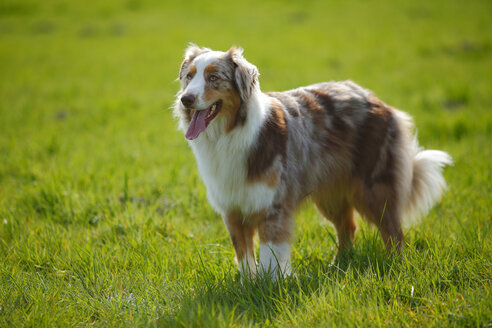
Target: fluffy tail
(427, 181)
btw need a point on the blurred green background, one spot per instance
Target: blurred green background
(99, 193)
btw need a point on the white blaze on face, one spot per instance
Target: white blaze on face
(197, 84)
(275, 258)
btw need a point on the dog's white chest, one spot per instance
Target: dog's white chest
(223, 168)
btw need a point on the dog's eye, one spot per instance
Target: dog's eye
(188, 76)
(213, 78)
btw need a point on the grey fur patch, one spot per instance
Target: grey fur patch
(246, 74)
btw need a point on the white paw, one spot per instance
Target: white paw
(275, 260)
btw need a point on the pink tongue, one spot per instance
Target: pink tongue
(197, 124)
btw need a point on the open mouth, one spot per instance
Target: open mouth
(201, 119)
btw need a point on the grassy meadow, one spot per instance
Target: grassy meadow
(104, 220)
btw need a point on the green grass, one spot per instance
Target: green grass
(103, 217)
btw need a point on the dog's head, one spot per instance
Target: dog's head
(215, 86)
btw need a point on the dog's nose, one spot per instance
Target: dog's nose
(188, 100)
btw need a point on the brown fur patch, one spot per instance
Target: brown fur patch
(189, 114)
(324, 100)
(321, 107)
(242, 233)
(230, 104)
(310, 102)
(192, 70)
(340, 128)
(289, 102)
(222, 89)
(210, 69)
(191, 53)
(272, 142)
(374, 160)
(334, 206)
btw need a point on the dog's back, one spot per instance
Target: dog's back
(349, 150)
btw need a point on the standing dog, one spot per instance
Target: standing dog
(260, 154)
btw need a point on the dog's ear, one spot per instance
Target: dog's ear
(191, 53)
(245, 73)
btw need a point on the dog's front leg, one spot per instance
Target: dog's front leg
(275, 235)
(242, 232)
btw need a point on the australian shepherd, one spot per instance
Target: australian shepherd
(260, 154)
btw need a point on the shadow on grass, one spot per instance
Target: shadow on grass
(223, 301)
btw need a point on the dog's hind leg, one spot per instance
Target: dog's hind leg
(379, 204)
(341, 214)
(391, 232)
(388, 220)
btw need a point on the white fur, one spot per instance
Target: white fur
(275, 259)
(222, 160)
(428, 181)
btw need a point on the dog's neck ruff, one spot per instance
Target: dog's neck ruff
(222, 161)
